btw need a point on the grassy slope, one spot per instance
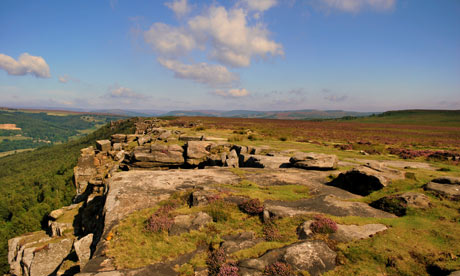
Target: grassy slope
(34, 183)
(416, 117)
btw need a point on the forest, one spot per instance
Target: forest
(34, 183)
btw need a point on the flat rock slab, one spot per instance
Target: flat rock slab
(325, 204)
(396, 163)
(347, 233)
(135, 190)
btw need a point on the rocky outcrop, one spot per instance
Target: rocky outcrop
(314, 161)
(366, 179)
(202, 153)
(315, 257)
(158, 155)
(398, 204)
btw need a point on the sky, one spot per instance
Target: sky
(360, 55)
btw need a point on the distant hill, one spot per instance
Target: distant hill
(287, 115)
(415, 117)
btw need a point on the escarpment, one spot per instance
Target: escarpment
(162, 201)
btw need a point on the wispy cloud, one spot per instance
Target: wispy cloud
(120, 92)
(26, 64)
(355, 6)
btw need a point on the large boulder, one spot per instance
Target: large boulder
(85, 169)
(312, 256)
(398, 204)
(315, 161)
(366, 179)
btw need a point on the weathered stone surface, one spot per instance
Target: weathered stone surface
(135, 190)
(83, 250)
(240, 149)
(47, 259)
(312, 256)
(118, 138)
(85, 169)
(104, 145)
(264, 161)
(315, 161)
(185, 223)
(20, 250)
(325, 204)
(449, 191)
(347, 233)
(158, 156)
(366, 179)
(398, 204)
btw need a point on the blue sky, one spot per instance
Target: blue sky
(363, 55)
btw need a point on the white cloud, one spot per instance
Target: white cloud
(169, 41)
(210, 74)
(26, 64)
(357, 5)
(232, 93)
(233, 42)
(179, 7)
(258, 5)
(120, 92)
(222, 35)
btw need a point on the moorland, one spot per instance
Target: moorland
(423, 145)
